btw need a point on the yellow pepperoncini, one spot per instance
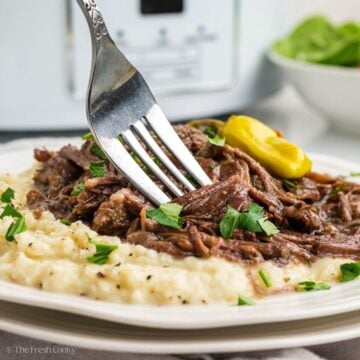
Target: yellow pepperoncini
(278, 155)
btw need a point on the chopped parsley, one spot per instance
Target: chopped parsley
(265, 278)
(95, 150)
(290, 184)
(229, 222)
(102, 253)
(213, 136)
(245, 300)
(78, 189)
(7, 196)
(156, 161)
(252, 220)
(97, 169)
(15, 228)
(312, 286)
(87, 136)
(192, 181)
(10, 211)
(342, 186)
(214, 166)
(167, 214)
(65, 222)
(349, 271)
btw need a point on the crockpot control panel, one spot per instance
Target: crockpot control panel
(180, 46)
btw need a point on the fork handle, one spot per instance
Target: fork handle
(95, 21)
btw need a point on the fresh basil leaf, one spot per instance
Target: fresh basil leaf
(102, 252)
(349, 271)
(97, 169)
(312, 286)
(8, 195)
(245, 300)
(95, 150)
(15, 228)
(78, 189)
(265, 278)
(167, 214)
(87, 136)
(10, 211)
(229, 222)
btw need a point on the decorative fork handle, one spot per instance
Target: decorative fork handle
(95, 20)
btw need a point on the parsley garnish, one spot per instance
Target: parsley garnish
(10, 211)
(290, 184)
(214, 166)
(252, 220)
(229, 222)
(102, 253)
(97, 169)
(213, 136)
(87, 136)
(245, 300)
(265, 278)
(65, 222)
(192, 181)
(15, 228)
(349, 271)
(7, 196)
(167, 214)
(156, 161)
(78, 189)
(342, 186)
(95, 150)
(312, 286)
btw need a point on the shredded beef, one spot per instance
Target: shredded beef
(317, 215)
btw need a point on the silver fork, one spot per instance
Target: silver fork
(119, 102)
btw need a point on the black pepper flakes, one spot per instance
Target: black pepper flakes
(148, 277)
(100, 274)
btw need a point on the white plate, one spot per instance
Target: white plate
(295, 306)
(73, 330)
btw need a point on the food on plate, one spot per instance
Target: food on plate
(317, 40)
(267, 224)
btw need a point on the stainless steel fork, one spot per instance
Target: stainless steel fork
(119, 102)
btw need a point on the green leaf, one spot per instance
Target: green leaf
(319, 41)
(268, 227)
(210, 131)
(156, 161)
(95, 150)
(245, 300)
(290, 184)
(8, 195)
(87, 136)
(167, 214)
(78, 189)
(102, 253)
(191, 180)
(265, 278)
(229, 222)
(15, 228)
(312, 286)
(10, 211)
(250, 220)
(97, 169)
(355, 174)
(65, 222)
(342, 186)
(213, 136)
(349, 271)
(217, 140)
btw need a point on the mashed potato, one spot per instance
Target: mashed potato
(53, 256)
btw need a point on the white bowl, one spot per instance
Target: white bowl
(333, 90)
